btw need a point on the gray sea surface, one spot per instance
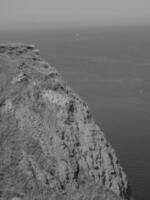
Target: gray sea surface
(110, 69)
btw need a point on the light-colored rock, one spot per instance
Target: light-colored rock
(50, 146)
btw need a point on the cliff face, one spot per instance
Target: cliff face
(50, 147)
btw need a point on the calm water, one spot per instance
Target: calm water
(110, 69)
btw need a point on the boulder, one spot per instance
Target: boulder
(50, 146)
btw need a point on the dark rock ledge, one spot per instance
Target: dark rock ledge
(50, 147)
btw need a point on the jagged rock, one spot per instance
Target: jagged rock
(50, 147)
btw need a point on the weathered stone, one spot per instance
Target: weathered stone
(50, 147)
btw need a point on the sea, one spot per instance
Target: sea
(109, 67)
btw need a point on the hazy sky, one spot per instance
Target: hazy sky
(58, 13)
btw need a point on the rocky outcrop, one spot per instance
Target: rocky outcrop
(50, 147)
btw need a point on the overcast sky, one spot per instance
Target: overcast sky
(61, 13)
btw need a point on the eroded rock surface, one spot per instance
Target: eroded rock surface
(50, 147)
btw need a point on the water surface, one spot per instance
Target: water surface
(110, 69)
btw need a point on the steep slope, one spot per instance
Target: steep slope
(50, 147)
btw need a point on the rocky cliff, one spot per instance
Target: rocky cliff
(50, 147)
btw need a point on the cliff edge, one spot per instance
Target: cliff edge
(50, 146)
